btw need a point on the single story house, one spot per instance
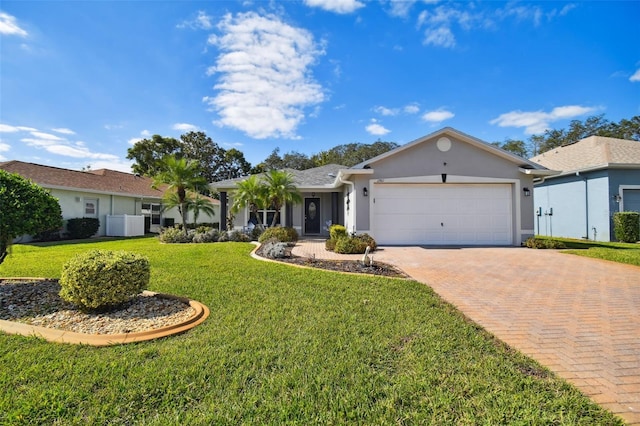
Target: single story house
(446, 188)
(98, 193)
(599, 177)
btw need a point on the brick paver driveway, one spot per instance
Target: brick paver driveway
(580, 317)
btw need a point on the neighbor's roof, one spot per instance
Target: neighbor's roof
(317, 177)
(98, 181)
(592, 153)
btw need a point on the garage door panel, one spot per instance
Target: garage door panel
(453, 214)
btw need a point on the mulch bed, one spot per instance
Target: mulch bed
(353, 266)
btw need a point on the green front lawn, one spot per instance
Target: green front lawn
(283, 345)
(616, 252)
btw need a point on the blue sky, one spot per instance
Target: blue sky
(80, 82)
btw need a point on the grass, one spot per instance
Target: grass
(616, 252)
(283, 345)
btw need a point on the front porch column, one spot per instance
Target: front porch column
(335, 208)
(223, 210)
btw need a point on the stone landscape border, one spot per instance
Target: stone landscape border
(63, 336)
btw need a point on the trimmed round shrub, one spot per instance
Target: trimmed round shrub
(100, 279)
(81, 228)
(283, 234)
(350, 245)
(337, 231)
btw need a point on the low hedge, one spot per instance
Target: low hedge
(626, 226)
(100, 279)
(283, 234)
(82, 227)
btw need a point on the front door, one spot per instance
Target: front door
(312, 215)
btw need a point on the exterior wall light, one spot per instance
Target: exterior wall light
(365, 192)
(617, 198)
(527, 192)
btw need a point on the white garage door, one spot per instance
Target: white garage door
(442, 214)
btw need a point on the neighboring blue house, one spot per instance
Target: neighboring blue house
(599, 177)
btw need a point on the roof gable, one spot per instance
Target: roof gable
(451, 132)
(591, 152)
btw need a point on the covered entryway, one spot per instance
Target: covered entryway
(442, 214)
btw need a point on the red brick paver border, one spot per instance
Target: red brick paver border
(579, 317)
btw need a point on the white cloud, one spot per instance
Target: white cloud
(635, 77)
(63, 148)
(4, 147)
(6, 128)
(440, 37)
(9, 26)
(64, 131)
(437, 116)
(133, 141)
(413, 108)
(47, 136)
(389, 112)
(337, 6)
(264, 79)
(376, 129)
(117, 164)
(539, 121)
(400, 7)
(185, 127)
(145, 133)
(200, 22)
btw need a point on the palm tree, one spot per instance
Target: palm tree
(180, 175)
(281, 190)
(250, 192)
(199, 204)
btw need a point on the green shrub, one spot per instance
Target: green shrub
(208, 236)
(234, 236)
(368, 240)
(626, 226)
(281, 233)
(175, 235)
(544, 243)
(99, 279)
(256, 232)
(337, 231)
(330, 244)
(84, 227)
(350, 245)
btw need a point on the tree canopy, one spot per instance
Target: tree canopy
(25, 209)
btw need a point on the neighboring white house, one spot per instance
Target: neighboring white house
(103, 192)
(599, 177)
(446, 188)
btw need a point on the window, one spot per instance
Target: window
(90, 207)
(153, 211)
(266, 217)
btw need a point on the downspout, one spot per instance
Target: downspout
(347, 182)
(586, 205)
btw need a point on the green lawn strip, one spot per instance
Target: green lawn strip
(615, 252)
(283, 345)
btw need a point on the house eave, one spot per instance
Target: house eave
(96, 191)
(539, 172)
(615, 166)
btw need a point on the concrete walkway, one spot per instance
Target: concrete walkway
(579, 317)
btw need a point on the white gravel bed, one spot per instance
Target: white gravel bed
(37, 303)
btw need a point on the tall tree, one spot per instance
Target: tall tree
(251, 193)
(514, 146)
(281, 189)
(199, 147)
(353, 153)
(148, 153)
(273, 161)
(234, 165)
(25, 208)
(180, 175)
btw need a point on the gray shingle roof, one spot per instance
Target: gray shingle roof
(310, 178)
(591, 152)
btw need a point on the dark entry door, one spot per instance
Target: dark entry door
(312, 215)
